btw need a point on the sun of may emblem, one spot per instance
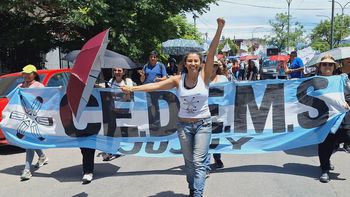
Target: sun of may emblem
(191, 105)
(30, 119)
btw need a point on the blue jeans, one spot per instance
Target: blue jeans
(195, 139)
(30, 156)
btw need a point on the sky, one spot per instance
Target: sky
(248, 18)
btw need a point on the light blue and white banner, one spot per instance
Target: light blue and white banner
(248, 117)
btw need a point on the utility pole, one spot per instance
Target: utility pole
(206, 37)
(288, 2)
(194, 19)
(342, 13)
(341, 6)
(332, 25)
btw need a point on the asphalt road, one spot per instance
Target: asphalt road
(280, 174)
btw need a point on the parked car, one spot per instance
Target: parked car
(268, 69)
(50, 78)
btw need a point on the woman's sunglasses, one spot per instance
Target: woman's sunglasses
(327, 64)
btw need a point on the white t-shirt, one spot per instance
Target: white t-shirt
(194, 101)
(219, 79)
(119, 98)
(113, 84)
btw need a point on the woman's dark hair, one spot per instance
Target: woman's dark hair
(155, 53)
(185, 59)
(251, 62)
(37, 78)
(123, 76)
(219, 71)
(234, 60)
(223, 70)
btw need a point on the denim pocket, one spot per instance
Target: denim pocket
(206, 123)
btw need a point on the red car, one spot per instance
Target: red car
(50, 78)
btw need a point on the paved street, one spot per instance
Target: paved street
(294, 173)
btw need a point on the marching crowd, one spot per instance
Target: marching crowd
(191, 78)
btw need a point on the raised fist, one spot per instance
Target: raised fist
(221, 22)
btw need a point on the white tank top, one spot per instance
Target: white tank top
(194, 101)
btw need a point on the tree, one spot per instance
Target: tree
(320, 36)
(231, 44)
(280, 32)
(31, 28)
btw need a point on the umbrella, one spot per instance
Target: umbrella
(248, 57)
(283, 58)
(181, 46)
(337, 54)
(85, 72)
(233, 57)
(111, 59)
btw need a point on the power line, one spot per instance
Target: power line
(272, 7)
(250, 5)
(301, 3)
(205, 23)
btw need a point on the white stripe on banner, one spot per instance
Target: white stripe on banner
(248, 117)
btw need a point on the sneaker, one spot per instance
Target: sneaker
(87, 178)
(110, 157)
(42, 161)
(207, 174)
(219, 164)
(346, 147)
(26, 174)
(107, 157)
(324, 178)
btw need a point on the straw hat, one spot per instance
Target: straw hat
(328, 59)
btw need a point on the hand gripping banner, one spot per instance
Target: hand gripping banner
(248, 117)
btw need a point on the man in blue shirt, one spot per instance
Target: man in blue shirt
(153, 71)
(296, 68)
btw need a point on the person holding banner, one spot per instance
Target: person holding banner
(327, 67)
(296, 67)
(31, 80)
(153, 72)
(345, 69)
(252, 71)
(217, 77)
(282, 70)
(119, 79)
(194, 127)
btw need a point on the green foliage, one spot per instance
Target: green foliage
(280, 32)
(30, 28)
(320, 36)
(231, 44)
